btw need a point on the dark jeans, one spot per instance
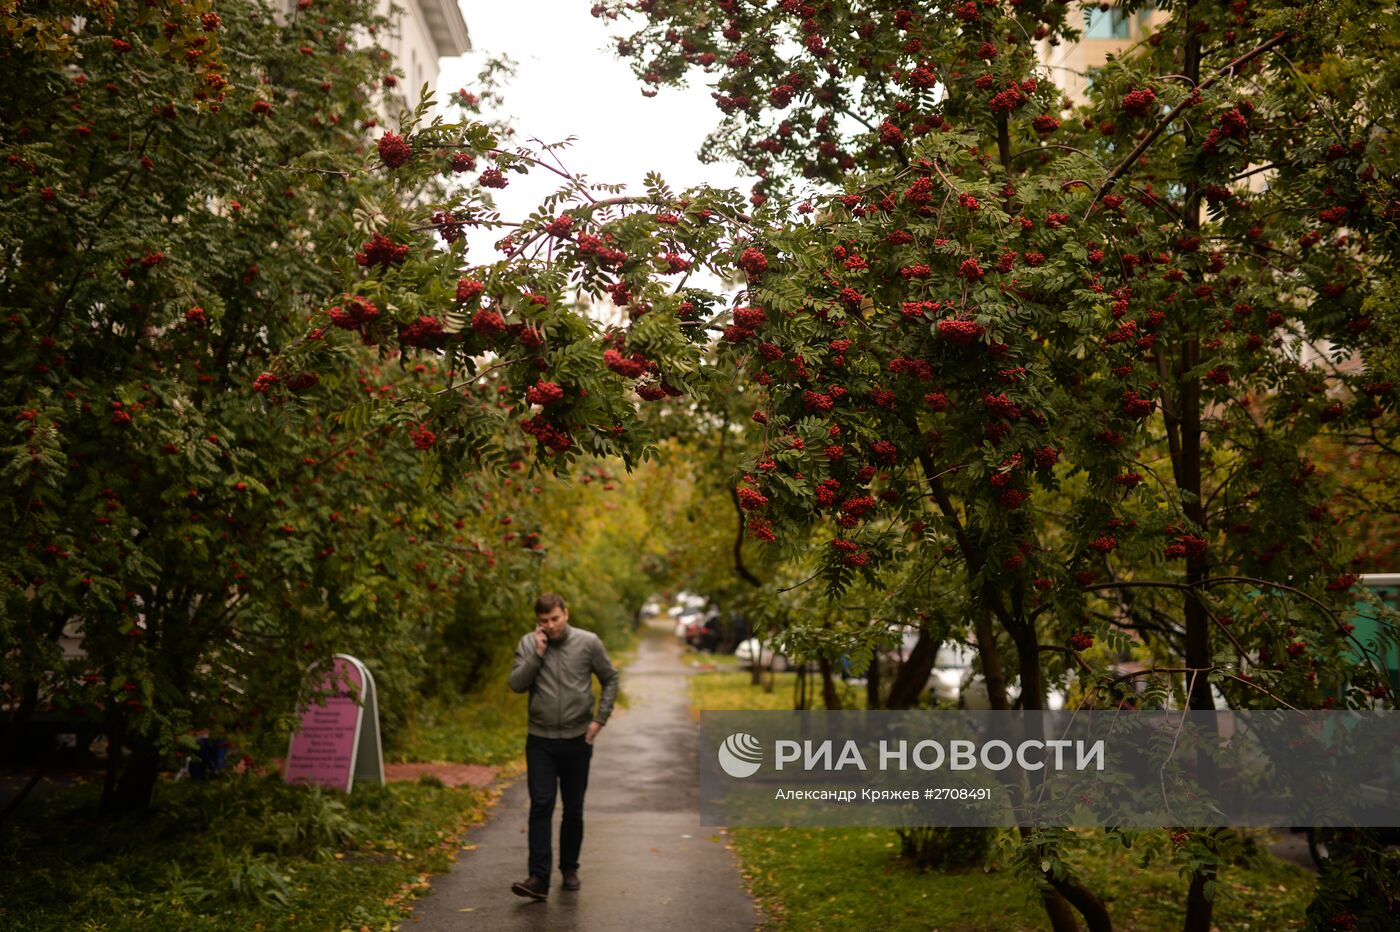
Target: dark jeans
(556, 766)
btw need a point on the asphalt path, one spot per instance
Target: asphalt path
(646, 862)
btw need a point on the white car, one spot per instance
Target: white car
(952, 680)
(754, 651)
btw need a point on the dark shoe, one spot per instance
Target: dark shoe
(532, 887)
(571, 880)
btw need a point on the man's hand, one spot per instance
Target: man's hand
(593, 729)
(540, 641)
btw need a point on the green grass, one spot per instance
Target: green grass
(487, 727)
(246, 852)
(735, 690)
(706, 661)
(852, 878)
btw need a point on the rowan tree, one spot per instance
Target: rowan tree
(1010, 301)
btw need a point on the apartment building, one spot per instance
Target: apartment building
(1106, 30)
(425, 32)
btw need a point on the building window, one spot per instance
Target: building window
(1105, 24)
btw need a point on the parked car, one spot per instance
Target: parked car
(754, 651)
(953, 679)
(684, 620)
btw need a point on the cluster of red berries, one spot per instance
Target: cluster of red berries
(1126, 331)
(1134, 405)
(960, 332)
(1000, 405)
(544, 393)
(1186, 545)
(560, 227)
(381, 251)
(753, 262)
(883, 397)
(629, 366)
(1139, 103)
(826, 492)
(937, 401)
(469, 289)
(920, 192)
(423, 438)
(1220, 375)
(759, 528)
(1007, 100)
(919, 368)
(547, 434)
(356, 314)
(857, 507)
(750, 499)
(597, 246)
(394, 150)
(488, 323)
(424, 333)
(449, 226)
(750, 318)
(1011, 499)
(1233, 124)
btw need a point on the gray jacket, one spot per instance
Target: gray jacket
(561, 685)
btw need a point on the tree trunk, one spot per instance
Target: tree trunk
(912, 677)
(137, 784)
(831, 699)
(993, 673)
(872, 682)
(1188, 480)
(14, 748)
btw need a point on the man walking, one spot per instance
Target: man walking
(556, 663)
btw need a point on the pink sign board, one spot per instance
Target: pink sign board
(328, 744)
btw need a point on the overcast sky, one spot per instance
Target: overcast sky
(570, 82)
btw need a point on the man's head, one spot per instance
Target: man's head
(551, 615)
